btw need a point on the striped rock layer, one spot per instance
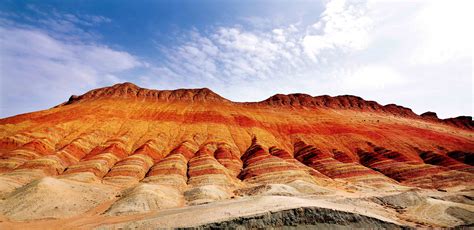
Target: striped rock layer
(333, 168)
(261, 167)
(411, 172)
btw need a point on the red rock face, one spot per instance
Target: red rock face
(433, 158)
(326, 164)
(99, 162)
(229, 159)
(262, 167)
(281, 153)
(412, 172)
(464, 157)
(205, 169)
(29, 151)
(343, 157)
(133, 168)
(125, 134)
(172, 170)
(151, 150)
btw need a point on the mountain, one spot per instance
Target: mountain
(125, 156)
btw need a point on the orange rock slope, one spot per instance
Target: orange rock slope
(125, 134)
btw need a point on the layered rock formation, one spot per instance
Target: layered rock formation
(333, 168)
(159, 149)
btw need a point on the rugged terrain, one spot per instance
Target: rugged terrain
(128, 157)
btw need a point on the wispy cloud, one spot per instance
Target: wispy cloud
(236, 59)
(384, 51)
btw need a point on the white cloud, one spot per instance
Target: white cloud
(343, 25)
(429, 44)
(445, 32)
(371, 78)
(39, 71)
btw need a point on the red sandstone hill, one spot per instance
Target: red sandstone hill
(124, 118)
(191, 146)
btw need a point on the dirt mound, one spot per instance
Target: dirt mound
(206, 194)
(462, 214)
(294, 188)
(305, 187)
(401, 200)
(50, 198)
(268, 190)
(462, 198)
(144, 198)
(304, 218)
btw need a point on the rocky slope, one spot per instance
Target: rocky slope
(121, 152)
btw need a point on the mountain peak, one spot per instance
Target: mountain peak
(129, 90)
(337, 102)
(358, 103)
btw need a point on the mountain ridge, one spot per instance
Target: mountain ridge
(129, 90)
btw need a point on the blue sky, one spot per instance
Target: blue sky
(414, 53)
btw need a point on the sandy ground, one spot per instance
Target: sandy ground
(47, 204)
(195, 215)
